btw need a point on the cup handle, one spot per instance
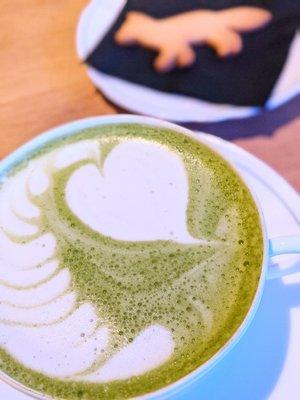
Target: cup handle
(279, 246)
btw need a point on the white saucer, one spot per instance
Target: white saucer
(96, 20)
(265, 364)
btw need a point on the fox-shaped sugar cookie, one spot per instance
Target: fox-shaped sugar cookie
(173, 37)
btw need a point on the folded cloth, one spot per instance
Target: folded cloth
(245, 79)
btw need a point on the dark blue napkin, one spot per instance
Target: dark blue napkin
(245, 79)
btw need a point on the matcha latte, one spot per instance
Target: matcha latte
(129, 256)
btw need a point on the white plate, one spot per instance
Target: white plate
(265, 364)
(96, 20)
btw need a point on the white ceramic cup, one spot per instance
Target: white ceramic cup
(272, 247)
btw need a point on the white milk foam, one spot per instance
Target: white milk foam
(41, 325)
(126, 202)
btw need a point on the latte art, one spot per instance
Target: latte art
(125, 262)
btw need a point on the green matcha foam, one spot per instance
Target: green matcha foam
(129, 256)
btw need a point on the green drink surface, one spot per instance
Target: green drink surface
(200, 292)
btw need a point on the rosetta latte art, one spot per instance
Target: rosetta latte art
(109, 265)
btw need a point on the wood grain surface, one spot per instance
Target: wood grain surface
(43, 83)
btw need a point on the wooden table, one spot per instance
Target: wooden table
(43, 83)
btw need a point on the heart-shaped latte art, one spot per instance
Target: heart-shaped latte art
(141, 194)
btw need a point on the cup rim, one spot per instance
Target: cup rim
(69, 129)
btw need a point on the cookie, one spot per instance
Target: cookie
(173, 37)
